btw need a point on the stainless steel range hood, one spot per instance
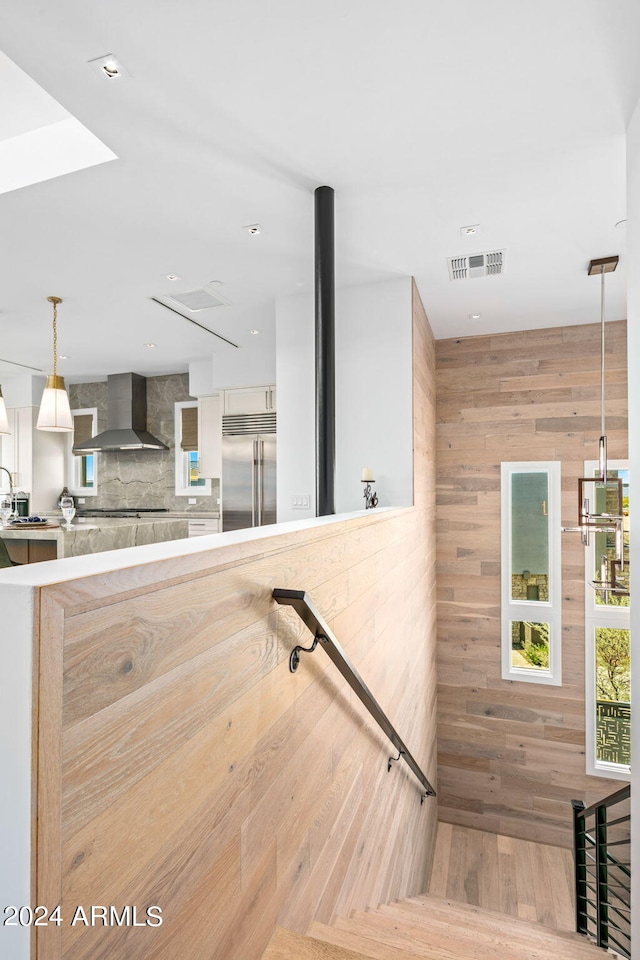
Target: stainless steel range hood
(126, 418)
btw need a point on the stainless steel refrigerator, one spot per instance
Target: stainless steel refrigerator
(248, 481)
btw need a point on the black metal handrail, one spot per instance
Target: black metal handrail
(307, 612)
(602, 879)
(623, 793)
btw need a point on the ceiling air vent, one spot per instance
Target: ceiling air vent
(195, 300)
(477, 265)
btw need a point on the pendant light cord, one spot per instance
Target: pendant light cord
(55, 339)
(602, 431)
(55, 301)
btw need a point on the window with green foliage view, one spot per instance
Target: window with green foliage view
(608, 661)
(613, 695)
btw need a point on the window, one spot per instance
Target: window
(83, 468)
(531, 587)
(608, 652)
(189, 483)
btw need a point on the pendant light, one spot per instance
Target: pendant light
(55, 413)
(611, 519)
(4, 422)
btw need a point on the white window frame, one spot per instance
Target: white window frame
(599, 615)
(182, 488)
(541, 611)
(74, 472)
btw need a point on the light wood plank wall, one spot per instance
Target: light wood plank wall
(511, 755)
(181, 764)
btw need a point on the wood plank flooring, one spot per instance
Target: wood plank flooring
(521, 878)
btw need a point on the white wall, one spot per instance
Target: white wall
(373, 396)
(374, 393)
(295, 381)
(48, 456)
(16, 638)
(633, 338)
(23, 391)
(228, 367)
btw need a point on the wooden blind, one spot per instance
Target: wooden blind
(82, 430)
(189, 428)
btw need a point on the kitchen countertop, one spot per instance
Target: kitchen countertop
(189, 515)
(159, 515)
(96, 535)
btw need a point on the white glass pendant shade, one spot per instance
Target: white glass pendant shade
(4, 423)
(55, 413)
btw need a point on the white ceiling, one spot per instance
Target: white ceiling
(423, 116)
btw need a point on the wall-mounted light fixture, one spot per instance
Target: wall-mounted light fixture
(600, 498)
(55, 413)
(370, 497)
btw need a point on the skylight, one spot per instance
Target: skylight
(39, 139)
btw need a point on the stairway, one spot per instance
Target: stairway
(430, 927)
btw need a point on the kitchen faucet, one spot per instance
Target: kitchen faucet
(11, 492)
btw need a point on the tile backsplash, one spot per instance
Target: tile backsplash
(142, 478)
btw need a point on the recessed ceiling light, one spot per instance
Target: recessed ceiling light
(470, 231)
(475, 316)
(215, 283)
(63, 356)
(172, 276)
(255, 332)
(253, 228)
(150, 344)
(109, 67)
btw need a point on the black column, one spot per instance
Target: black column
(325, 353)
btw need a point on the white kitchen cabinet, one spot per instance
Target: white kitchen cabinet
(245, 400)
(210, 436)
(16, 449)
(200, 528)
(250, 400)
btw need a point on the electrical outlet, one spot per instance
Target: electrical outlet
(80, 499)
(301, 501)
(192, 500)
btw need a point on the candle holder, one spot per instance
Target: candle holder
(370, 497)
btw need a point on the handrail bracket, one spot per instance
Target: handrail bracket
(294, 659)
